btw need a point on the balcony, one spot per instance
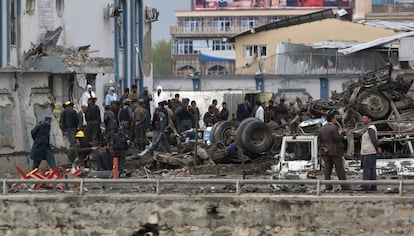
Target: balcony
(210, 31)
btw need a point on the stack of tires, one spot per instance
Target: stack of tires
(252, 135)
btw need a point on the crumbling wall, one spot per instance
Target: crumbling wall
(205, 215)
(25, 99)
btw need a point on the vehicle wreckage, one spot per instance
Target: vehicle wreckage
(384, 94)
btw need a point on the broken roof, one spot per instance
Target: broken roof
(296, 20)
(374, 43)
(399, 25)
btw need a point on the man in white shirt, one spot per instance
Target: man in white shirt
(260, 111)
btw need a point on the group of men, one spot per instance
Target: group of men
(331, 144)
(270, 113)
(129, 118)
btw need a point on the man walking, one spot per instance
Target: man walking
(369, 151)
(160, 125)
(41, 147)
(330, 142)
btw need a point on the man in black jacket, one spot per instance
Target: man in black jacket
(69, 122)
(330, 143)
(93, 119)
(243, 110)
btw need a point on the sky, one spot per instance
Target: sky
(161, 28)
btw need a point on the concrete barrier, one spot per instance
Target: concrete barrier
(247, 215)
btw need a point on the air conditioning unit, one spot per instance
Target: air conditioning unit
(111, 11)
(151, 14)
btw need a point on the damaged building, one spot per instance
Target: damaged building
(51, 49)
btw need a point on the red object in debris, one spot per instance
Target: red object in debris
(54, 173)
(115, 170)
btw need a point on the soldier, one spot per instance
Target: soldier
(160, 125)
(69, 122)
(140, 123)
(111, 124)
(195, 112)
(147, 99)
(41, 147)
(125, 117)
(210, 117)
(93, 120)
(134, 96)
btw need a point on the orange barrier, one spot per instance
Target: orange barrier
(54, 173)
(115, 170)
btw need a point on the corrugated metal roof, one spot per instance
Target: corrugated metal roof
(374, 43)
(333, 44)
(400, 25)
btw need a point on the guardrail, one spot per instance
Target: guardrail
(239, 183)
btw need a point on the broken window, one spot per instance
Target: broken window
(59, 7)
(185, 70)
(217, 70)
(298, 151)
(13, 23)
(255, 51)
(30, 6)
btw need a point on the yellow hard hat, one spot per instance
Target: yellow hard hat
(67, 103)
(80, 134)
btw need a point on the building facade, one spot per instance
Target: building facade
(51, 49)
(199, 38)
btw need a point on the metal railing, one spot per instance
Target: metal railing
(239, 183)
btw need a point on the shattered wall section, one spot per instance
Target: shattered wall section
(25, 99)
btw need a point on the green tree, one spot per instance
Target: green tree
(161, 57)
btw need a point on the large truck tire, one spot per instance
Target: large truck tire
(374, 103)
(257, 137)
(241, 128)
(213, 129)
(223, 131)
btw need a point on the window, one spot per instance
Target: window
(220, 45)
(183, 47)
(255, 51)
(59, 7)
(185, 70)
(13, 23)
(217, 70)
(247, 23)
(221, 25)
(120, 25)
(30, 6)
(191, 25)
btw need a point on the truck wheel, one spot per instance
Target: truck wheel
(240, 131)
(213, 129)
(374, 104)
(223, 131)
(257, 137)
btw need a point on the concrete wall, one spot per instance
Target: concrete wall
(25, 100)
(318, 31)
(271, 84)
(206, 215)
